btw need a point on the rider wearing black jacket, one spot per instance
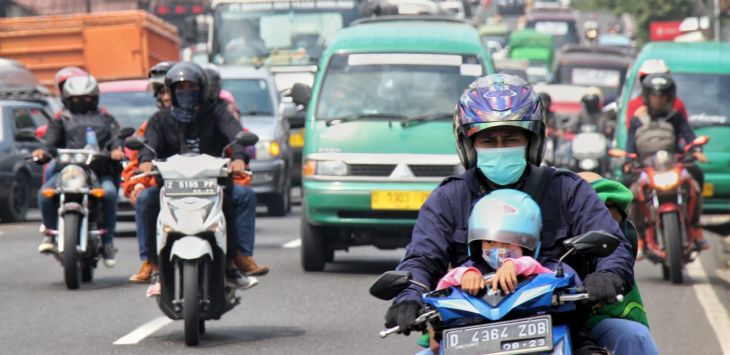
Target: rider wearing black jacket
(69, 130)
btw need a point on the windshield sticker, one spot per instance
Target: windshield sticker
(597, 77)
(291, 5)
(705, 119)
(470, 70)
(404, 59)
(552, 27)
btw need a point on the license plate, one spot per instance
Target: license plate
(398, 200)
(296, 139)
(517, 336)
(191, 187)
(708, 190)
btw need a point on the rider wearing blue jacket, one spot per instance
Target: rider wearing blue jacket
(500, 128)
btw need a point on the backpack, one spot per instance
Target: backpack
(654, 135)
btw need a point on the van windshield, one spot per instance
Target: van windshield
(705, 97)
(395, 84)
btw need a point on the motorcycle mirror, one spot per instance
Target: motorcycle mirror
(26, 134)
(390, 284)
(594, 243)
(301, 93)
(616, 153)
(246, 138)
(126, 132)
(134, 143)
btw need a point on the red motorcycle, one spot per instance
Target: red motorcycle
(667, 197)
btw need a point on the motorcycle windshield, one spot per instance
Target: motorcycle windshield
(189, 166)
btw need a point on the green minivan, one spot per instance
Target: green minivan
(702, 74)
(379, 130)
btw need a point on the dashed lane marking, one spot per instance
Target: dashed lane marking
(143, 331)
(296, 243)
(716, 313)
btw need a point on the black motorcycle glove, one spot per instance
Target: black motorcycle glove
(403, 314)
(603, 287)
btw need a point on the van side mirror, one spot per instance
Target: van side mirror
(301, 94)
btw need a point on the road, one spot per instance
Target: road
(290, 312)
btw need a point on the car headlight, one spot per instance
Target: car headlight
(331, 167)
(666, 180)
(268, 149)
(73, 178)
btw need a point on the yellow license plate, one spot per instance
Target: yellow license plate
(398, 200)
(708, 190)
(296, 139)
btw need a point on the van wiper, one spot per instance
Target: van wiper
(426, 118)
(256, 113)
(365, 116)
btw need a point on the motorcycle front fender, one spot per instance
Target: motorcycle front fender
(191, 248)
(668, 208)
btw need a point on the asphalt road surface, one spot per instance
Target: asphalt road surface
(289, 312)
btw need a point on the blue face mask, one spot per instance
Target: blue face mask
(503, 166)
(496, 256)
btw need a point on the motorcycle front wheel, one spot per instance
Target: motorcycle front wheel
(671, 229)
(191, 302)
(71, 258)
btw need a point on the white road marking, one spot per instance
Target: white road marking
(296, 243)
(143, 331)
(717, 315)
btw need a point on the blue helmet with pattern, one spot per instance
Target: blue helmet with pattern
(507, 216)
(499, 100)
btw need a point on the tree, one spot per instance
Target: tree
(643, 11)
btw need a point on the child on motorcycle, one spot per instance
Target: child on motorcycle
(504, 231)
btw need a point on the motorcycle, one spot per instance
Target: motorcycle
(80, 222)
(666, 199)
(526, 321)
(589, 149)
(191, 237)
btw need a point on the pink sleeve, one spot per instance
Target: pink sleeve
(527, 266)
(453, 277)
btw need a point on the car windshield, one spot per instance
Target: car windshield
(396, 84)
(609, 80)
(564, 32)
(252, 96)
(130, 108)
(278, 32)
(705, 97)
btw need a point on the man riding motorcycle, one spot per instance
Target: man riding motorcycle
(499, 127)
(658, 126)
(194, 124)
(69, 130)
(652, 66)
(133, 187)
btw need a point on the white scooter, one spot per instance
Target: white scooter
(191, 238)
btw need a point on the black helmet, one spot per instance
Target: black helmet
(157, 74)
(658, 84)
(214, 82)
(186, 71)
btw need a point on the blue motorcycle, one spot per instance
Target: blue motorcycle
(524, 322)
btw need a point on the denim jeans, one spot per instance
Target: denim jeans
(244, 220)
(49, 206)
(623, 336)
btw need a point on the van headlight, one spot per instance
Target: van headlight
(325, 167)
(268, 149)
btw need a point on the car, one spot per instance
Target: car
(560, 23)
(511, 7)
(379, 129)
(702, 75)
(257, 97)
(19, 179)
(131, 103)
(600, 66)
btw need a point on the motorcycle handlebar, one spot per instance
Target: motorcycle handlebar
(421, 319)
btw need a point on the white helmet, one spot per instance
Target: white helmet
(652, 66)
(79, 86)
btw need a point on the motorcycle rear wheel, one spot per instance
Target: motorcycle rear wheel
(71, 258)
(191, 302)
(671, 229)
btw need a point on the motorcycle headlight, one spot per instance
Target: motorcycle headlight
(73, 178)
(268, 149)
(64, 158)
(79, 158)
(331, 167)
(666, 180)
